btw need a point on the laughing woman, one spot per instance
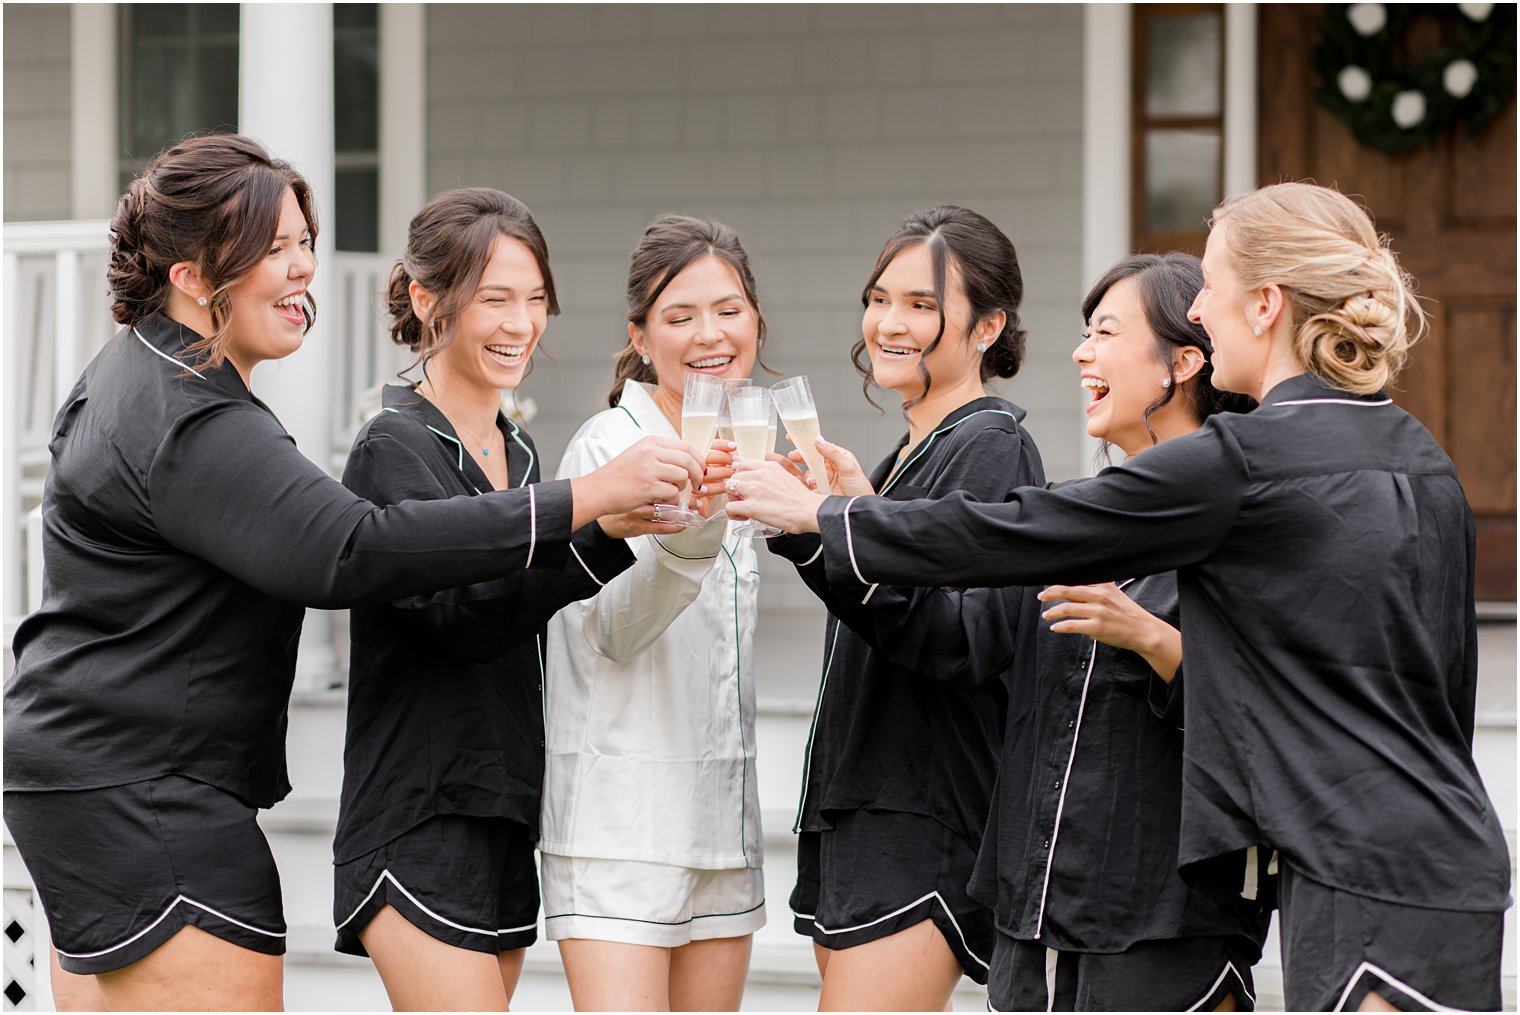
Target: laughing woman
(183, 535)
(1324, 557)
(651, 849)
(900, 766)
(444, 761)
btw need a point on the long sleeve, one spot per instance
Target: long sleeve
(228, 485)
(633, 609)
(957, 635)
(1166, 508)
(486, 619)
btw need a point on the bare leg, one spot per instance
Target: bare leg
(709, 975)
(611, 976)
(1375, 1002)
(421, 973)
(1228, 1004)
(197, 971)
(912, 970)
(821, 956)
(74, 991)
(510, 963)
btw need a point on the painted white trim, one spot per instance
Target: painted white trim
(849, 541)
(93, 107)
(1392, 981)
(164, 915)
(1334, 401)
(1229, 967)
(1240, 97)
(1106, 31)
(903, 909)
(159, 352)
(386, 875)
(403, 119)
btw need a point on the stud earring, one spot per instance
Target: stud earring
(201, 302)
(1166, 382)
(1256, 331)
(981, 347)
(644, 360)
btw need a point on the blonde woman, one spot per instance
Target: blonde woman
(1324, 555)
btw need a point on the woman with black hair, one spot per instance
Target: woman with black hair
(905, 738)
(183, 536)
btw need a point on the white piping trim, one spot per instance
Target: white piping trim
(532, 527)
(177, 900)
(849, 540)
(903, 909)
(807, 765)
(869, 593)
(804, 916)
(1248, 886)
(458, 445)
(386, 875)
(1229, 967)
(525, 447)
(1052, 961)
(183, 366)
(1392, 981)
(588, 571)
(1336, 401)
(816, 553)
(989, 1004)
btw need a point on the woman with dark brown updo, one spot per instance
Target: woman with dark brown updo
(183, 535)
(444, 761)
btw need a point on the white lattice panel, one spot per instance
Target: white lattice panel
(18, 937)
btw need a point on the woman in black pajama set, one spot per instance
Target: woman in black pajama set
(1079, 862)
(183, 535)
(444, 758)
(905, 739)
(1324, 555)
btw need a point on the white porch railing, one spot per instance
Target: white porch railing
(57, 316)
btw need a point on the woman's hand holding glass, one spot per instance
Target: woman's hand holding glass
(844, 474)
(656, 469)
(770, 493)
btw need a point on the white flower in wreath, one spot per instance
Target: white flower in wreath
(1367, 19)
(1408, 108)
(1458, 78)
(520, 409)
(1477, 12)
(1354, 82)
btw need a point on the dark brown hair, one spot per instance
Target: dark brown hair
(1168, 284)
(988, 267)
(670, 244)
(213, 201)
(448, 244)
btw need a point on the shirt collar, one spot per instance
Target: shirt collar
(405, 400)
(637, 399)
(172, 340)
(1310, 385)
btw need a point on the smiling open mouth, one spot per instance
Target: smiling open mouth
(1097, 387)
(899, 350)
(508, 355)
(710, 363)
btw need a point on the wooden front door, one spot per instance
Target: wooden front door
(1450, 210)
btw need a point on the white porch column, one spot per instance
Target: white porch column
(1106, 32)
(1240, 95)
(285, 101)
(403, 121)
(92, 75)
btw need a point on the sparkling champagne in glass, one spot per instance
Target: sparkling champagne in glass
(753, 413)
(799, 414)
(700, 400)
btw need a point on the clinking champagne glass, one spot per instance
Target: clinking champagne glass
(700, 401)
(794, 401)
(753, 413)
(725, 426)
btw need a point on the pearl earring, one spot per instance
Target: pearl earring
(644, 360)
(1166, 382)
(201, 302)
(1256, 331)
(981, 347)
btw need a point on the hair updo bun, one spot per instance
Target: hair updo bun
(1354, 309)
(212, 201)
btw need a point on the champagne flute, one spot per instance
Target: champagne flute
(726, 426)
(753, 412)
(799, 413)
(700, 400)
